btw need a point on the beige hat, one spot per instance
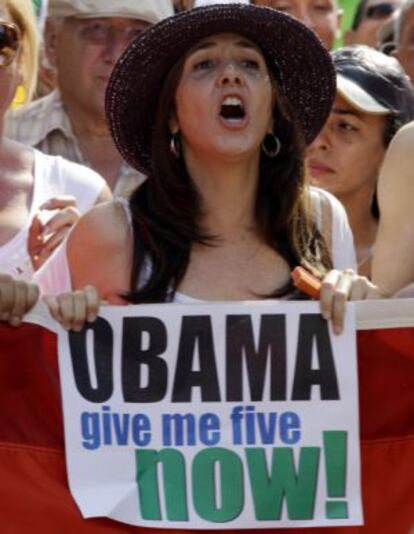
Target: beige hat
(151, 11)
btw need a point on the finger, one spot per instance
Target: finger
(32, 296)
(65, 217)
(67, 312)
(327, 292)
(62, 201)
(6, 296)
(341, 294)
(359, 288)
(374, 292)
(92, 303)
(52, 242)
(35, 240)
(79, 309)
(35, 232)
(19, 303)
(53, 306)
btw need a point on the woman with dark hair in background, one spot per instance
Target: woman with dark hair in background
(374, 100)
(219, 121)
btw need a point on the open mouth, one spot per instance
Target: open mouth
(232, 108)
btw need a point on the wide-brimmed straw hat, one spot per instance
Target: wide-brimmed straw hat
(301, 64)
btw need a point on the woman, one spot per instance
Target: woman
(40, 196)
(30, 181)
(374, 99)
(218, 119)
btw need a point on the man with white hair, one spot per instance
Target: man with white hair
(83, 41)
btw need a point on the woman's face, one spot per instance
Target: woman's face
(10, 75)
(224, 99)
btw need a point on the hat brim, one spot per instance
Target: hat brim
(292, 50)
(358, 98)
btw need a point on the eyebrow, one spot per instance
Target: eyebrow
(342, 111)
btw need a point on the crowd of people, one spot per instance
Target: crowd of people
(182, 157)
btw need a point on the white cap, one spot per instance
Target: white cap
(151, 11)
(200, 3)
(358, 97)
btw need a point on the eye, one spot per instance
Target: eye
(323, 8)
(346, 126)
(251, 64)
(203, 64)
(95, 32)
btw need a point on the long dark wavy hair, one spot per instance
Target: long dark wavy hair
(166, 208)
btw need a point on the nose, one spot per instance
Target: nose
(115, 45)
(230, 75)
(320, 143)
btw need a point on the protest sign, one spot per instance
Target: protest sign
(218, 416)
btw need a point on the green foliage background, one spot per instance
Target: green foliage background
(348, 7)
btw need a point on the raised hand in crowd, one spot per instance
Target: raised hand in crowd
(45, 236)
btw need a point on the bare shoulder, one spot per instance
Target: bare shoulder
(105, 225)
(325, 208)
(100, 249)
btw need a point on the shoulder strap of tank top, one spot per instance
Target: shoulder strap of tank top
(124, 203)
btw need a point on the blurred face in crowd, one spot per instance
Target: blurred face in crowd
(405, 48)
(84, 51)
(346, 156)
(321, 16)
(376, 13)
(10, 72)
(223, 100)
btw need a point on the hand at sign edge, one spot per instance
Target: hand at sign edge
(17, 297)
(73, 309)
(340, 286)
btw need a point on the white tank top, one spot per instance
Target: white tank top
(54, 276)
(52, 176)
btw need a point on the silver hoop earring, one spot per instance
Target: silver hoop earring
(271, 145)
(175, 145)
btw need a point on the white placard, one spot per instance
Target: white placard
(213, 416)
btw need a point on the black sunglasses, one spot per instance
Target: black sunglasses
(380, 11)
(9, 42)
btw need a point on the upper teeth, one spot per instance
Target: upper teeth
(232, 101)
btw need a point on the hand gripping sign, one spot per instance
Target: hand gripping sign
(220, 416)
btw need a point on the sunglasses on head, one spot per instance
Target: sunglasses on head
(9, 42)
(380, 11)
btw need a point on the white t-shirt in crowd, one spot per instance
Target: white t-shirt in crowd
(52, 176)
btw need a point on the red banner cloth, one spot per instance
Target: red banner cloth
(34, 496)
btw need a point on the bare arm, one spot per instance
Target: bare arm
(44, 238)
(100, 252)
(393, 261)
